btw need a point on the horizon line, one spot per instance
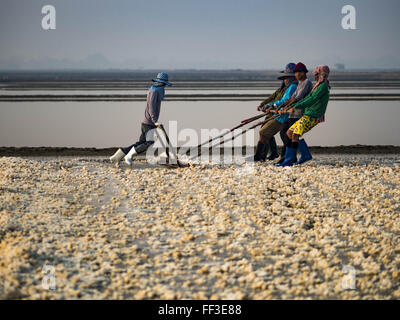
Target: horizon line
(393, 70)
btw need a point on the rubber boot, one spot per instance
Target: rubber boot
(117, 156)
(304, 152)
(128, 157)
(274, 150)
(290, 156)
(265, 152)
(261, 152)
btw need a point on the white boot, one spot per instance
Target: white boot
(128, 157)
(117, 156)
(162, 158)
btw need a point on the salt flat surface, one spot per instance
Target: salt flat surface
(207, 231)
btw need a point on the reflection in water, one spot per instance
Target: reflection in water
(108, 124)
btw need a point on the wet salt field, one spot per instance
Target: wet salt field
(117, 123)
(112, 124)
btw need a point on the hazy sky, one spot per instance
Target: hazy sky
(198, 34)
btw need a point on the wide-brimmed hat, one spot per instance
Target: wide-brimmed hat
(300, 67)
(289, 67)
(288, 72)
(286, 75)
(162, 77)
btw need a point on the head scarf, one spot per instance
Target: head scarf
(291, 80)
(322, 73)
(160, 87)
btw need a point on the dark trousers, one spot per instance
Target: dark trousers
(142, 145)
(272, 146)
(285, 139)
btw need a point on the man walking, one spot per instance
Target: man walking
(155, 95)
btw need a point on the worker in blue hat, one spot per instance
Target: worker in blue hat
(262, 149)
(155, 95)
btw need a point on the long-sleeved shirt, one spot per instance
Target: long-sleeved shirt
(278, 94)
(153, 104)
(303, 89)
(288, 94)
(315, 103)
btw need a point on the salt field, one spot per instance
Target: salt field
(328, 230)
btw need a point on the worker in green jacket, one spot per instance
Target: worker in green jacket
(314, 106)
